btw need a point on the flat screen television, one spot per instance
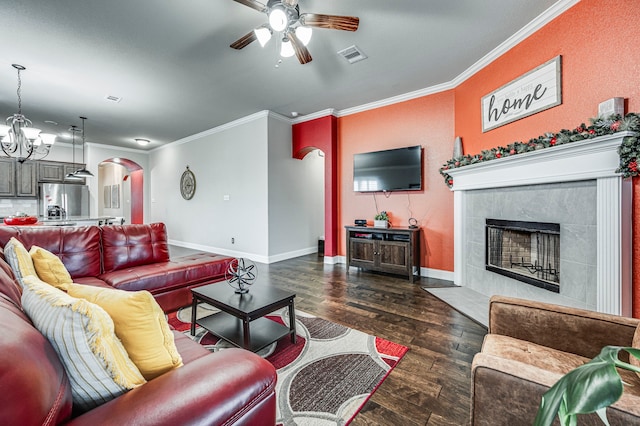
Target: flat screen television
(397, 169)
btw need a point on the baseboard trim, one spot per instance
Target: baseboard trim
(436, 273)
(255, 257)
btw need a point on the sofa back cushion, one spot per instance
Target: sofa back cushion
(77, 247)
(126, 246)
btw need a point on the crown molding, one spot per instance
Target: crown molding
(540, 21)
(115, 147)
(217, 129)
(314, 115)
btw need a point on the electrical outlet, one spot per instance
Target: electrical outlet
(233, 240)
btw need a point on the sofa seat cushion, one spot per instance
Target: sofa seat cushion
(164, 276)
(188, 349)
(550, 365)
(542, 357)
(93, 281)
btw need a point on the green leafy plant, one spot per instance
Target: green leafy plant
(590, 388)
(382, 216)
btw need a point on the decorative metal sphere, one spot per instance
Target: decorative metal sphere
(240, 274)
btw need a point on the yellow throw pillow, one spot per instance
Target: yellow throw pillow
(50, 268)
(140, 324)
(82, 334)
(19, 259)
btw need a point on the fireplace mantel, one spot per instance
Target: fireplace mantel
(591, 159)
(583, 160)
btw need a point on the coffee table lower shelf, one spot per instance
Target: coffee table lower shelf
(227, 327)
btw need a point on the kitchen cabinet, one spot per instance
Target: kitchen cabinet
(18, 179)
(56, 172)
(26, 179)
(392, 250)
(7, 177)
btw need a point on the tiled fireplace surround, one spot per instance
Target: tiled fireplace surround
(574, 185)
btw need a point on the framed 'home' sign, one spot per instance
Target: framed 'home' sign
(535, 91)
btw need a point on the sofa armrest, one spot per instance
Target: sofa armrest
(505, 391)
(226, 387)
(573, 330)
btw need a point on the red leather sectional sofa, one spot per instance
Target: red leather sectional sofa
(230, 387)
(126, 257)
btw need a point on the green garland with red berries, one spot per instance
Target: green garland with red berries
(629, 150)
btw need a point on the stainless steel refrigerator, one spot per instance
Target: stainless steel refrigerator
(62, 201)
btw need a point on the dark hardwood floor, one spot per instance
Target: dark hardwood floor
(431, 385)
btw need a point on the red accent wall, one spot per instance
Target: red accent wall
(426, 121)
(321, 133)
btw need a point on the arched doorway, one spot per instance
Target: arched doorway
(122, 185)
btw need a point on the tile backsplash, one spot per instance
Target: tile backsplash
(10, 206)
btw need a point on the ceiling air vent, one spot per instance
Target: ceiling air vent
(112, 98)
(352, 54)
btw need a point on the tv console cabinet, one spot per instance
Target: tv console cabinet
(391, 250)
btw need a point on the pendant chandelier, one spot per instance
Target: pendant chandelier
(83, 172)
(19, 139)
(72, 176)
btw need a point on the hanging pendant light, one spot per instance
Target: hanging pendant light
(83, 172)
(18, 139)
(72, 176)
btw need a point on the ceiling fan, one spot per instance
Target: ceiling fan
(284, 16)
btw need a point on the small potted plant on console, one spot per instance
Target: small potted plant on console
(381, 220)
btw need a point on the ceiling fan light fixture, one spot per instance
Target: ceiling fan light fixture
(278, 18)
(263, 34)
(286, 50)
(304, 34)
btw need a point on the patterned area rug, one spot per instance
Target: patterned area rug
(326, 377)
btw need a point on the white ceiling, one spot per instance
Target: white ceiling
(171, 63)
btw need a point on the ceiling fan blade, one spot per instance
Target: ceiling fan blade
(253, 4)
(332, 22)
(302, 53)
(291, 3)
(244, 41)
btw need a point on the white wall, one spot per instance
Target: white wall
(248, 189)
(226, 162)
(275, 205)
(296, 196)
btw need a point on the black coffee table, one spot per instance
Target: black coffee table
(241, 321)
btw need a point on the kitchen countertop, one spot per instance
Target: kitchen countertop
(72, 220)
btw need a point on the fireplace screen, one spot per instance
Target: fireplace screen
(525, 251)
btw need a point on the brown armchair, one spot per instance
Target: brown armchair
(530, 345)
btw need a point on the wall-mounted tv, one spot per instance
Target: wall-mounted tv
(397, 169)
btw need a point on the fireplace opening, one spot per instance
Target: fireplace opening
(525, 251)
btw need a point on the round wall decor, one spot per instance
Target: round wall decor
(188, 184)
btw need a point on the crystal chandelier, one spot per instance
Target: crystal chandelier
(19, 139)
